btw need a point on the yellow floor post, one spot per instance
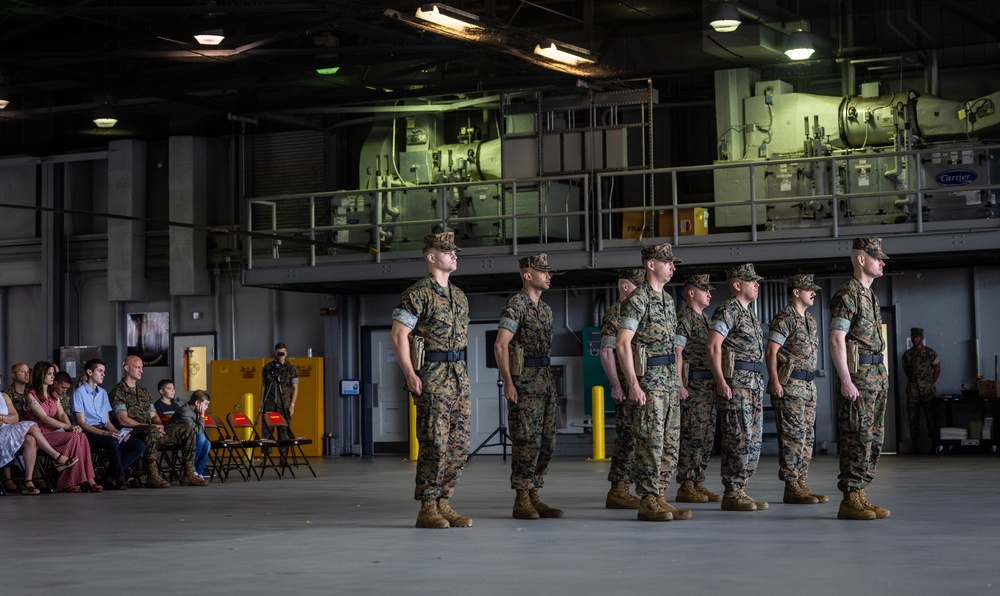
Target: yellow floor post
(597, 407)
(248, 410)
(414, 446)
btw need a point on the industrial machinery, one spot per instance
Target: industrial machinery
(885, 146)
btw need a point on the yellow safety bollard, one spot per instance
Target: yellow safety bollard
(248, 410)
(597, 409)
(414, 446)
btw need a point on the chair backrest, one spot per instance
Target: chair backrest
(275, 420)
(165, 418)
(213, 421)
(239, 420)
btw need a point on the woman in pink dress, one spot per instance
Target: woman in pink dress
(42, 406)
(24, 436)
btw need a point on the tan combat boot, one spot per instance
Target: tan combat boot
(675, 512)
(430, 517)
(190, 478)
(712, 497)
(154, 479)
(760, 505)
(650, 510)
(522, 506)
(620, 498)
(540, 507)
(880, 512)
(819, 498)
(455, 520)
(852, 508)
(796, 495)
(687, 493)
(736, 500)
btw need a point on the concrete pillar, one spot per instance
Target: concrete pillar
(188, 197)
(127, 238)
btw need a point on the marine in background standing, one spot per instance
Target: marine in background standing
(922, 368)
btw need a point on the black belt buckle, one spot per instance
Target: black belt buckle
(438, 356)
(870, 359)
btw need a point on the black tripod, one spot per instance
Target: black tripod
(504, 438)
(272, 395)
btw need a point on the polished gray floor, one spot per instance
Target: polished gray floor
(350, 531)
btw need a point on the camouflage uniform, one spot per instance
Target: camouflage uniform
(742, 416)
(698, 413)
(653, 318)
(17, 399)
(532, 419)
(795, 412)
(287, 375)
(623, 450)
(441, 317)
(855, 310)
(920, 390)
(138, 403)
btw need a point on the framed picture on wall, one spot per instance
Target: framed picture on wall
(148, 337)
(192, 353)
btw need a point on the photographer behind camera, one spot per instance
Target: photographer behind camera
(279, 389)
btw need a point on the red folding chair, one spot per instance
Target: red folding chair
(240, 421)
(289, 450)
(225, 454)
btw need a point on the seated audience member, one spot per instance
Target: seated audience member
(20, 376)
(167, 404)
(42, 406)
(193, 414)
(61, 388)
(133, 408)
(16, 434)
(91, 407)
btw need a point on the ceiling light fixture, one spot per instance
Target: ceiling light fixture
(105, 117)
(446, 16)
(210, 38)
(725, 17)
(565, 53)
(4, 101)
(799, 46)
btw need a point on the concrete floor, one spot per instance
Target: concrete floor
(350, 531)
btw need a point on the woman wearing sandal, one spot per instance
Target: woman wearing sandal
(42, 406)
(15, 434)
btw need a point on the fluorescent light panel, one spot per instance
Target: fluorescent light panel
(449, 17)
(565, 53)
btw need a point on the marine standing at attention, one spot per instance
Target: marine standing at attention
(623, 451)
(434, 314)
(698, 413)
(856, 346)
(791, 355)
(735, 349)
(522, 350)
(645, 348)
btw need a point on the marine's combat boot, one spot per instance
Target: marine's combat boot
(761, 505)
(712, 497)
(675, 512)
(620, 498)
(190, 478)
(522, 506)
(852, 507)
(819, 498)
(540, 507)
(880, 512)
(650, 510)
(455, 520)
(687, 493)
(430, 517)
(735, 499)
(796, 495)
(153, 478)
